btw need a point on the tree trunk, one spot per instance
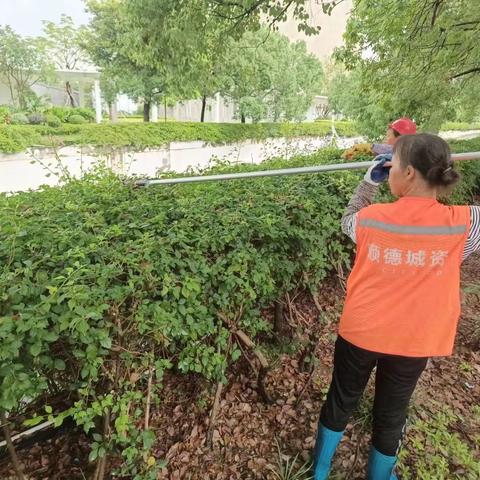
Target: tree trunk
(112, 108)
(204, 107)
(243, 118)
(21, 95)
(102, 462)
(279, 324)
(146, 111)
(12, 95)
(68, 89)
(11, 449)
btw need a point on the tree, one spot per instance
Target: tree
(347, 96)
(295, 91)
(440, 35)
(257, 79)
(243, 15)
(180, 32)
(109, 44)
(111, 88)
(23, 62)
(144, 85)
(208, 74)
(415, 63)
(182, 49)
(64, 44)
(183, 40)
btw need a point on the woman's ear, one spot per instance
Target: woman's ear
(409, 172)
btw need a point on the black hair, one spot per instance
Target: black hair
(395, 133)
(430, 155)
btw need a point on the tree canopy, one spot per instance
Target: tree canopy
(256, 76)
(63, 42)
(23, 62)
(159, 48)
(413, 57)
(237, 16)
(108, 41)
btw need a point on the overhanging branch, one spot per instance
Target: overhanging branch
(466, 72)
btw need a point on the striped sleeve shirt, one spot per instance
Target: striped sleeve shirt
(363, 197)
(381, 148)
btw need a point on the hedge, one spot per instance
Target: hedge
(106, 286)
(17, 138)
(460, 126)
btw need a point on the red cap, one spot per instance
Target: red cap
(404, 126)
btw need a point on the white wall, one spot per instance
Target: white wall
(18, 173)
(5, 97)
(56, 95)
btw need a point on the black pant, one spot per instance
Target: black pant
(395, 381)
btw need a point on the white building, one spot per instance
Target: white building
(85, 85)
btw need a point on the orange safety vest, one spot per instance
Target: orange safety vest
(403, 294)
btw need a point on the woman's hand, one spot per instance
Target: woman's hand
(379, 171)
(359, 149)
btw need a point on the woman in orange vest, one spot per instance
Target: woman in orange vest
(401, 126)
(403, 296)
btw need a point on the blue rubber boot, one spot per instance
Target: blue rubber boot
(325, 446)
(380, 466)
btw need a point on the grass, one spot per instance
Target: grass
(436, 451)
(461, 126)
(291, 468)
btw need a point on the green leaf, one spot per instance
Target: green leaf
(106, 342)
(148, 438)
(59, 364)
(58, 421)
(32, 422)
(93, 452)
(35, 349)
(236, 354)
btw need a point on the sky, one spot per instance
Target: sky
(25, 16)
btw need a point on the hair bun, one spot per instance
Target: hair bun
(444, 177)
(450, 176)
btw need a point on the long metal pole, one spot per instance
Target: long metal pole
(283, 171)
